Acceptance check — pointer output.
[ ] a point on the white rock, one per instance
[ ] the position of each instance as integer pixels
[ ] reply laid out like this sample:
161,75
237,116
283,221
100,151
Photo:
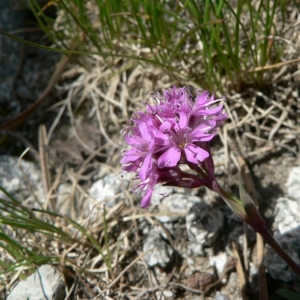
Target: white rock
105,189
166,294
45,283
19,181
220,296
287,228
203,224
253,271
160,252
104,192
64,198
278,269
101,192
194,249
293,184
219,262
160,192
287,215
178,204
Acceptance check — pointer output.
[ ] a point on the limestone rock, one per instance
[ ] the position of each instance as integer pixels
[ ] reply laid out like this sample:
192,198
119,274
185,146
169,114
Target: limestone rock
45,283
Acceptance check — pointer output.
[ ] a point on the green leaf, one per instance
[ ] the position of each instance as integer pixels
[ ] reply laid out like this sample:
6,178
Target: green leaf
231,200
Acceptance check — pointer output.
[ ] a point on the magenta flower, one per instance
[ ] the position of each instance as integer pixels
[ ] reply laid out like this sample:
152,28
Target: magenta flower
174,131
177,131
183,139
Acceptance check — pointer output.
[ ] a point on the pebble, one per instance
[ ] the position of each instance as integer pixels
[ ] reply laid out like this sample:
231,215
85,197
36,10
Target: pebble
22,179
45,283
178,204
287,229
293,184
219,262
220,296
277,268
203,224
287,215
160,252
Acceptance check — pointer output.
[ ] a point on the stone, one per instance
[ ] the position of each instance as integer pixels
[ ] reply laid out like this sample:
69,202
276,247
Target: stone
160,193
64,199
10,51
164,295
235,228
21,181
277,268
178,204
287,232
220,296
199,280
203,224
160,251
219,262
287,215
104,192
25,72
293,184
45,283
107,188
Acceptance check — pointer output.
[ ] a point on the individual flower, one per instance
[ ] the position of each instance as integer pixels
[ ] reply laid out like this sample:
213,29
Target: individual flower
174,131
144,138
183,139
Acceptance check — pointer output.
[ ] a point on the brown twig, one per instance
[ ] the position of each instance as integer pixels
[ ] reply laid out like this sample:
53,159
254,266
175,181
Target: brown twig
257,69
44,163
240,271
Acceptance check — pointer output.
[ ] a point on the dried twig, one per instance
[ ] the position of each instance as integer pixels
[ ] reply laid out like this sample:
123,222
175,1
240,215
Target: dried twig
240,271
44,161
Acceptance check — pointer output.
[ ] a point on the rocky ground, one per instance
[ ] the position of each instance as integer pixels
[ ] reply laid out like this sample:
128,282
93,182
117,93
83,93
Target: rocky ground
188,244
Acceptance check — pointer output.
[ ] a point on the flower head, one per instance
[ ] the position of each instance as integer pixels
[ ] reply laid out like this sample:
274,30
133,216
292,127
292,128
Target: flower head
174,131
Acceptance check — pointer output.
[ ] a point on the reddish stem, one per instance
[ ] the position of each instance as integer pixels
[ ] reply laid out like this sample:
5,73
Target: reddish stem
253,218
269,239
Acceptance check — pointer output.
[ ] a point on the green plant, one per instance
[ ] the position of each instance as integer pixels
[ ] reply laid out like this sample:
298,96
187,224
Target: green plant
27,236
212,43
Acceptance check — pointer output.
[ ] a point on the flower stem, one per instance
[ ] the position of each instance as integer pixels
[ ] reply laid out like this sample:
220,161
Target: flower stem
253,218
269,239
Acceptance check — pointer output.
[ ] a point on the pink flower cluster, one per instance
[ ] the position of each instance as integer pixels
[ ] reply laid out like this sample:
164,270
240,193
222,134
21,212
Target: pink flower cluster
175,131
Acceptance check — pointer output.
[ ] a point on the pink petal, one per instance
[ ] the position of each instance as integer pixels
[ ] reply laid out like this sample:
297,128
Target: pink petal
131,168
204,127
201,99
195,154
201,111
212,111
165,126
170,158
160,138
205,138
145,202
199,133
133,140
183,119
130,156
146,166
